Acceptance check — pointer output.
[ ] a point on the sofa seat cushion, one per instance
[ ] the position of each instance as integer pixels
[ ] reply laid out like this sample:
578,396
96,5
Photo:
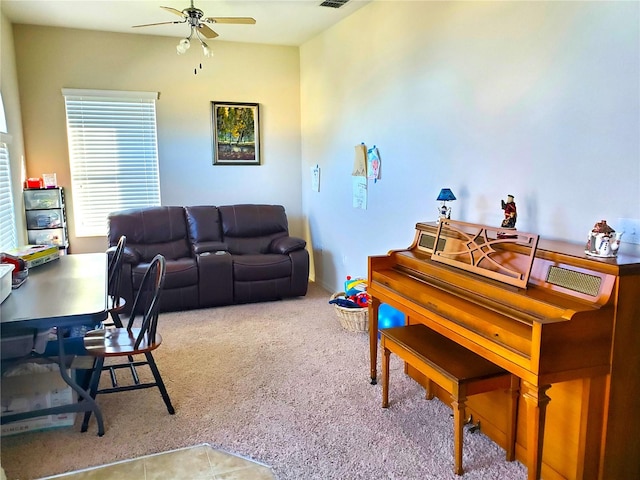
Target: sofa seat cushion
182,272
249,268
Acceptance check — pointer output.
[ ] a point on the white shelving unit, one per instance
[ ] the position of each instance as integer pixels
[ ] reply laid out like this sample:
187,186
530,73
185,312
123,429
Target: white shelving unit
46,217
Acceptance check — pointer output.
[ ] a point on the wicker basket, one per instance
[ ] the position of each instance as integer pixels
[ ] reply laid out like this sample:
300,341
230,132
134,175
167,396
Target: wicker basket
352,319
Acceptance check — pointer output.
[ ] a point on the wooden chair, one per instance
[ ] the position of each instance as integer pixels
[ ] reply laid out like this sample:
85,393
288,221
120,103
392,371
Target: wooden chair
140,337
116,302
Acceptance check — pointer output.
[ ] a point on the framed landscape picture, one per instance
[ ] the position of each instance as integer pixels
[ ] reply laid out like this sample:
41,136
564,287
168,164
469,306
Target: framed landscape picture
236,133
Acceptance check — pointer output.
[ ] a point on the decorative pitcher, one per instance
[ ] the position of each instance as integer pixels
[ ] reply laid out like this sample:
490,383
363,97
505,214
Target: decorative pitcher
603,241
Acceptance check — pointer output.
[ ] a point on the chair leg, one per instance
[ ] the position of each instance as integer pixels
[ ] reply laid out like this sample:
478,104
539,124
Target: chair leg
159,382
93,389
134,372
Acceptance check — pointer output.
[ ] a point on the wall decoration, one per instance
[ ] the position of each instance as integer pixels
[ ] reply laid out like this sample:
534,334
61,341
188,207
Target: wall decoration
360,161
359,188
315,178
236,133
373,164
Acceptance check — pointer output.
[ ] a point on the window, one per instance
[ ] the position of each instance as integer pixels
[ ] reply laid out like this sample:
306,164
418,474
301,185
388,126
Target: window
7,217
8,237
113,154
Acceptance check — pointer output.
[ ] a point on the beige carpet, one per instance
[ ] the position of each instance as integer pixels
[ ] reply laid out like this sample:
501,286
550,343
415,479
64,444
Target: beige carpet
281,383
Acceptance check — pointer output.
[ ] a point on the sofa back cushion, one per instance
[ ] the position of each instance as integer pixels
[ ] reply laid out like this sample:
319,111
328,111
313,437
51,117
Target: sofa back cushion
151,230
250,229
203,223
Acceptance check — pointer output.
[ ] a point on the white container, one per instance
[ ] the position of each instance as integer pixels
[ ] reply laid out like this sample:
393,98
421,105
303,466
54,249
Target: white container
5,280
34,387
50,180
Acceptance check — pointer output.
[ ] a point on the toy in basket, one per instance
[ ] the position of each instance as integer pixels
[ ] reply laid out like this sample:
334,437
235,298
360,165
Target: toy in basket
353,314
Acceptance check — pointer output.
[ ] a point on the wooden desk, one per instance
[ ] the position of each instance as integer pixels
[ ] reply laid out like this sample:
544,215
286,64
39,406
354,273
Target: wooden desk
66,292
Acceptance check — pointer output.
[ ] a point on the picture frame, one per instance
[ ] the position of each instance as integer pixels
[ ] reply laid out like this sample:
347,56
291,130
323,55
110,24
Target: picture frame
236,133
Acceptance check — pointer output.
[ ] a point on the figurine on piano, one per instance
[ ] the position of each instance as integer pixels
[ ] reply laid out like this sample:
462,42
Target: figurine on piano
510,214
444,212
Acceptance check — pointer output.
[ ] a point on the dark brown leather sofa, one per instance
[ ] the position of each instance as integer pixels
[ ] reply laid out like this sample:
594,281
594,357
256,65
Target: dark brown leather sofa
215,255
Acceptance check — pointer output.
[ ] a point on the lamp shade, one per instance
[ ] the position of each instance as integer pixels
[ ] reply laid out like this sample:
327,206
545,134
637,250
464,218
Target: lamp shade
446,195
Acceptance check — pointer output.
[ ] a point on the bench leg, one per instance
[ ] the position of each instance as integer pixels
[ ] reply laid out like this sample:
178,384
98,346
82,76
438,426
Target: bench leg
385,377
458,401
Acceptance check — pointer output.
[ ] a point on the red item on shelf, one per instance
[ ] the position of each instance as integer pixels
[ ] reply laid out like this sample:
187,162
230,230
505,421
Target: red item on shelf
34,183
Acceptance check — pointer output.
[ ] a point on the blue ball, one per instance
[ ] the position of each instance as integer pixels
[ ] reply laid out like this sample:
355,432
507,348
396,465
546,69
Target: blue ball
389,317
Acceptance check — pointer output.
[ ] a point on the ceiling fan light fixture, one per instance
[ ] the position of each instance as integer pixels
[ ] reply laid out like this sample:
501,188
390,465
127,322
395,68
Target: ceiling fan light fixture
195,19
183,46
206,50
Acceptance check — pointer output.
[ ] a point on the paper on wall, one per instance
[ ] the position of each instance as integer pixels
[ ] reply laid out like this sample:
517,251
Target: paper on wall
315,178
360,161
359,192
373,163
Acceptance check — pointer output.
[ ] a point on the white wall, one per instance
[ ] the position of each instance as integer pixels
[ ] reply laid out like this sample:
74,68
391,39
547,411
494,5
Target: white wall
10,98
50,59
535,99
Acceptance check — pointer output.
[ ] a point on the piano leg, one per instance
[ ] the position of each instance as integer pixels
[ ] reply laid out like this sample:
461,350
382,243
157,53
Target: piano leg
536,400
458,400
429,390
374,305
514,394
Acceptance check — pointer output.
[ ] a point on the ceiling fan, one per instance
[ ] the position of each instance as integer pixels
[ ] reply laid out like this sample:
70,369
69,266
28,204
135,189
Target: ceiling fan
199,24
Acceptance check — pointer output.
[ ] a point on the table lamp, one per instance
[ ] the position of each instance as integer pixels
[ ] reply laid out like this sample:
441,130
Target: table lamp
445,195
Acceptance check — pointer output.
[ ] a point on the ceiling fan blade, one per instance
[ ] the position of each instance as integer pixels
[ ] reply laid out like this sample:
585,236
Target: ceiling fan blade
173,10
237,20
152,24
206,31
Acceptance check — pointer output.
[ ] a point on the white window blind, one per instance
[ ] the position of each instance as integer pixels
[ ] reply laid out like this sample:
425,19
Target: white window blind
113,154
8,239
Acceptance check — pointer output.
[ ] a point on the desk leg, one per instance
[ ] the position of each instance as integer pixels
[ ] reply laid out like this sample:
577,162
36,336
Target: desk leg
87,403
374,305
536,400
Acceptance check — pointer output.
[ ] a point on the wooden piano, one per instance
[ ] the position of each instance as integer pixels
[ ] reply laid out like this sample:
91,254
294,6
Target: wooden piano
567,324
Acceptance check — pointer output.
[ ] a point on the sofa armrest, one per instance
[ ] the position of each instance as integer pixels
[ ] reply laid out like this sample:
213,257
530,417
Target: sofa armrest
131,255
203,247
286,245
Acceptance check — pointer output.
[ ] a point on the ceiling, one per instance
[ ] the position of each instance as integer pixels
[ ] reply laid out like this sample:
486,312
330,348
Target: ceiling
278,22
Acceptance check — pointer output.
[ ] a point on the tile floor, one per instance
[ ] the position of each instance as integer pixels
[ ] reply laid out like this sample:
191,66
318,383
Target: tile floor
201,462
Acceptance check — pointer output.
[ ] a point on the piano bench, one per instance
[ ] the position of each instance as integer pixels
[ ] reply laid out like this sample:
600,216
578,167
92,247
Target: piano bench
457,370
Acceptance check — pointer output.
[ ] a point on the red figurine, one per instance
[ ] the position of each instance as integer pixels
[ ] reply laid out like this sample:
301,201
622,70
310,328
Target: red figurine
510,214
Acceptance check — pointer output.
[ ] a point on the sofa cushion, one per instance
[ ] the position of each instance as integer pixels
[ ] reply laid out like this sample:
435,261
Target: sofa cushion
204,229
248,268
250,229
151,230
179,273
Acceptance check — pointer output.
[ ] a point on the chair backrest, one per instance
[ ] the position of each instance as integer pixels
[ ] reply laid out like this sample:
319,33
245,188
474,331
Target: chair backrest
115,272
146,305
